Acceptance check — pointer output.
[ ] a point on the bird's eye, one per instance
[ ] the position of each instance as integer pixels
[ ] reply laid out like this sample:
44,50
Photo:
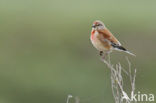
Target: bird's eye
99,24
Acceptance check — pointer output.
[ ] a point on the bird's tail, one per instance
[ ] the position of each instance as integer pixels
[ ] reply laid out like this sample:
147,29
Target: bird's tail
120,48
130,53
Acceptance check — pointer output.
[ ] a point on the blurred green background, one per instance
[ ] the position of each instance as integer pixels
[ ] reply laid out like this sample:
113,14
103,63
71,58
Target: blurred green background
46,53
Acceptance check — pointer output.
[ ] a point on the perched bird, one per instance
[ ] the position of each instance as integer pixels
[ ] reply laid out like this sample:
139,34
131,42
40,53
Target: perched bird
104,41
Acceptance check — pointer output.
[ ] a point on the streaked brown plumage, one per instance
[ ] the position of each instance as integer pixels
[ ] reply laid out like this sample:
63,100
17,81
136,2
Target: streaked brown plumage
103,40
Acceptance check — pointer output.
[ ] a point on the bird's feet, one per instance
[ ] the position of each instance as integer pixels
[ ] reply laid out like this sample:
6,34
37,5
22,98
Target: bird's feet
101,53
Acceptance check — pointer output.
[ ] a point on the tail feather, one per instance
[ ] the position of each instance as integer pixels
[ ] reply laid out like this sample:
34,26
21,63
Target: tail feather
120,48
130,53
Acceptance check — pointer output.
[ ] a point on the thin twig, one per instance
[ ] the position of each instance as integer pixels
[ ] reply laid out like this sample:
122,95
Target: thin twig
68,98
117,82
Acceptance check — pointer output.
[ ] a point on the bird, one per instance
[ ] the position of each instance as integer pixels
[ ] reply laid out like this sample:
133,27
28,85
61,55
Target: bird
104,41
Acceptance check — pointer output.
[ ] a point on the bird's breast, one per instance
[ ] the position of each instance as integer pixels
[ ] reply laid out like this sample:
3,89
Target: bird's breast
97,43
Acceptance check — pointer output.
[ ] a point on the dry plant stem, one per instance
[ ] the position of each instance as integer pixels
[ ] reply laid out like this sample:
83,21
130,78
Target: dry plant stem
68,98
117,82
77,99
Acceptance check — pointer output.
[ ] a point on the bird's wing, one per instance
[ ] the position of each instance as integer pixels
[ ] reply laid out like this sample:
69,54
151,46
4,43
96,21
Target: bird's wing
109,36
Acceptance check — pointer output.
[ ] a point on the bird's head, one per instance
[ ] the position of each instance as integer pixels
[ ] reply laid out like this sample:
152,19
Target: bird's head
98,25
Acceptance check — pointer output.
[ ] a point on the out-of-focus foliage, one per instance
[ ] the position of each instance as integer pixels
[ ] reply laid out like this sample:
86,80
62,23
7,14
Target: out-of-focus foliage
46,54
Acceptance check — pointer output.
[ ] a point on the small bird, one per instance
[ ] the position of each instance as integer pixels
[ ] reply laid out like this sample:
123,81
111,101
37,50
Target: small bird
104,41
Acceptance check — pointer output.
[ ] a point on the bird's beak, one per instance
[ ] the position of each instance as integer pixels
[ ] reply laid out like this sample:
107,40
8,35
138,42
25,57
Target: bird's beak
93,26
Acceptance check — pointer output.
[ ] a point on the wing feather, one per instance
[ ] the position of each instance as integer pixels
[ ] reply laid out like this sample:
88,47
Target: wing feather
109,36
